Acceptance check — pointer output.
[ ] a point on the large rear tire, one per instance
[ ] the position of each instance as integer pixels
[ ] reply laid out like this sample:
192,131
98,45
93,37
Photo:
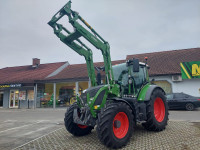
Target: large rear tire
157,112
115,125
73,128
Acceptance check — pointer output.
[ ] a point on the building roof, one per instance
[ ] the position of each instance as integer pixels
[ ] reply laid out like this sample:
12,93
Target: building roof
27,74
161,63
78,71
168,62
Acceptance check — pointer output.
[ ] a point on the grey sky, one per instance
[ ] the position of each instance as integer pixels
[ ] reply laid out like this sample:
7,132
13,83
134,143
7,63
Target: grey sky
130,26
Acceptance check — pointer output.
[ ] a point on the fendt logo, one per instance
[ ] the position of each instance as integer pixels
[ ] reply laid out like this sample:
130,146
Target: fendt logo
195,70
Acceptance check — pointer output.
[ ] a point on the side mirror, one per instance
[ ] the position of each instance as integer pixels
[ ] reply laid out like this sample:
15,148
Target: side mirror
99,78
136,65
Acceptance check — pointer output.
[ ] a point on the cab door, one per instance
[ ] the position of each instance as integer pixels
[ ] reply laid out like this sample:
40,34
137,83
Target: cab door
139,79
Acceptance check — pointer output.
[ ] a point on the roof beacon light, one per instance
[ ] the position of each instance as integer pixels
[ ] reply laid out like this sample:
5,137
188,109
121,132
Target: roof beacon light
146,58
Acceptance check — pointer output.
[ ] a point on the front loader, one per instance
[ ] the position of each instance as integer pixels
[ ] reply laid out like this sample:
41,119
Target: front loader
126,98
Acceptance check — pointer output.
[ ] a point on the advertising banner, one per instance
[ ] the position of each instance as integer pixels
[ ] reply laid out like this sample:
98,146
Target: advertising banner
22,95
190,70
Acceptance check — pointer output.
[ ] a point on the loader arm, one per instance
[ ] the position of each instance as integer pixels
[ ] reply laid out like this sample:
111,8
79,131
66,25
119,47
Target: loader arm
72,40
80,48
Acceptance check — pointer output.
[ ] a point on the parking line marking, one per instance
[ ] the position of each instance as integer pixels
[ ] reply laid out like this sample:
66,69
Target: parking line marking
21,126
10,121
36,139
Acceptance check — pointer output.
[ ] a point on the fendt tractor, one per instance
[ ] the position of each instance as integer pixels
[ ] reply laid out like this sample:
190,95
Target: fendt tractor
126,99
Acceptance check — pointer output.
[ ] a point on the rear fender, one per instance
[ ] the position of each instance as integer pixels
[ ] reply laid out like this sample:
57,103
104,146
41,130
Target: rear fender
150,91
146,92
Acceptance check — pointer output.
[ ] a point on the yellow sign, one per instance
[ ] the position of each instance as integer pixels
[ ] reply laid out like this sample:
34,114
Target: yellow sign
4,86
190,70
10,85
195,70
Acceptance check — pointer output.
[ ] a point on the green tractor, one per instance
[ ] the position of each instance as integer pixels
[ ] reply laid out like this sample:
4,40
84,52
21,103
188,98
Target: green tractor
126,98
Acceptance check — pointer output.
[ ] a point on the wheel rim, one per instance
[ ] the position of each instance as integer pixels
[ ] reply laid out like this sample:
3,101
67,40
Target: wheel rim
82,126
159,109
189,106
121,130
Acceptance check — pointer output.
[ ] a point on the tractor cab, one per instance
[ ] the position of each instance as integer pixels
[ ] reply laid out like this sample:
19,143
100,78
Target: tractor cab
131,76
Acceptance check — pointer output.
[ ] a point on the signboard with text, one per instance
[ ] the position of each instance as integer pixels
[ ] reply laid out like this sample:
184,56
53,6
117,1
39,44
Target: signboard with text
10,85
190,70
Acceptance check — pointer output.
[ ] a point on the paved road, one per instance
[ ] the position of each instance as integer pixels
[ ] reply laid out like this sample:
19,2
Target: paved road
19,126
190,116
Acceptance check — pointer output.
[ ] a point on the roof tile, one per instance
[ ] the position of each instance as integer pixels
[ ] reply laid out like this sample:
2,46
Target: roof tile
167,62
27,74
78,71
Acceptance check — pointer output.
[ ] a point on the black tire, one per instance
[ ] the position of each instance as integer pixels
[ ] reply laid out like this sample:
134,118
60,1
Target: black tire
73,128
189,106
106,129
156,122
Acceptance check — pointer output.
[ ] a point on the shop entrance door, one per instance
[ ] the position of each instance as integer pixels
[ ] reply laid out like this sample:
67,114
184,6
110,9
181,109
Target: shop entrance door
14,98
1,99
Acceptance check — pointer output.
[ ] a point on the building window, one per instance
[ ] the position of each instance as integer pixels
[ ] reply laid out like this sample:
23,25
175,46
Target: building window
65,94
30,95
45,95
167,87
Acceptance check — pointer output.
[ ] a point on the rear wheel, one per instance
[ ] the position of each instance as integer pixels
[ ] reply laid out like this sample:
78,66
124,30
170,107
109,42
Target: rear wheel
115,125
189,106
73,128
157,112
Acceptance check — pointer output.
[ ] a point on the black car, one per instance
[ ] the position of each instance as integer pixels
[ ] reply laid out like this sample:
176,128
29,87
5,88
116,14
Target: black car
182,101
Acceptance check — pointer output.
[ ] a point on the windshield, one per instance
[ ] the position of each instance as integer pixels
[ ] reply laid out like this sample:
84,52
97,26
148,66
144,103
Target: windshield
139,77
117,70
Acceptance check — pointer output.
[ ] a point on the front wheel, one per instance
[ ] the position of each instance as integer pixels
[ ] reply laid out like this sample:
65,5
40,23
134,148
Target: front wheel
157,112
73,128
115,125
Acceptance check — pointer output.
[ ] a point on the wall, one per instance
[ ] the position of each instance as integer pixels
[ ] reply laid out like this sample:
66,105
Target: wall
191,87
188,86
25,103
6,98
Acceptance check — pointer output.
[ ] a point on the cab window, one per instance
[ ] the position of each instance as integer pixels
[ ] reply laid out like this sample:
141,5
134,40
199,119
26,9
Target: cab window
139,77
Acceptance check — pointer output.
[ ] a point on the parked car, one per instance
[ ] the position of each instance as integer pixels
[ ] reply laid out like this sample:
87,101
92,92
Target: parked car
182,101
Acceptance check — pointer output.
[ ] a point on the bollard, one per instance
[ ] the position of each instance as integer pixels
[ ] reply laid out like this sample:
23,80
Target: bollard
28,103
19,104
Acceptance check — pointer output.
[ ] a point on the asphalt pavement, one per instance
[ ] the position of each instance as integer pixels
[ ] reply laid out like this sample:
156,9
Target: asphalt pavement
182,115
19,126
